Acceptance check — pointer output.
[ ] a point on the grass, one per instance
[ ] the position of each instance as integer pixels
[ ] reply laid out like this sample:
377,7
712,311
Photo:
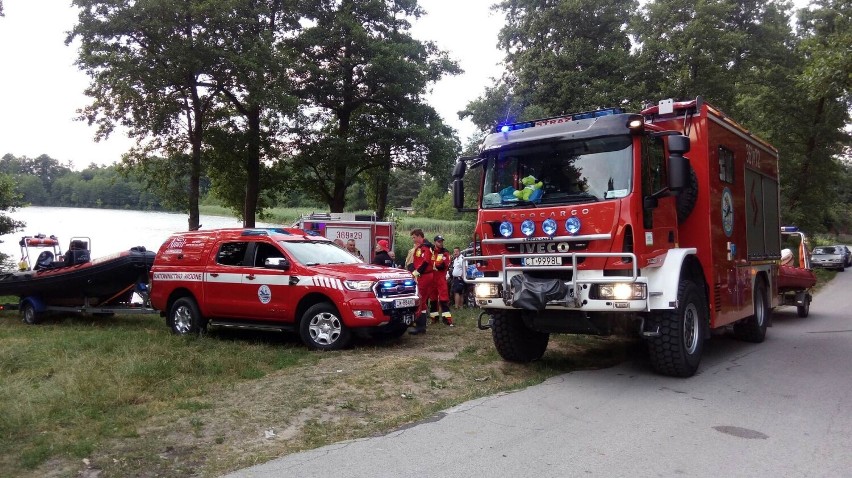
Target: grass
133,400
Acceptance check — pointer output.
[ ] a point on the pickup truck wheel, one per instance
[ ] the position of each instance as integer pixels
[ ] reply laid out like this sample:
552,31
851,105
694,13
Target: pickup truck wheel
753,329
29,314
516,342
185,318
677,350
323,329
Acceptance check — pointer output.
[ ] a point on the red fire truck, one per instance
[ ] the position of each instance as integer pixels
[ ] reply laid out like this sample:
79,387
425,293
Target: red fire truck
669,217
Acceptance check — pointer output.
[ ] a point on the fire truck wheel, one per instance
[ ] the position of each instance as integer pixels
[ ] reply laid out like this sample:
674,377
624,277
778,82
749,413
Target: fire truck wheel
185,319
753,329
29,314
677,350
516,342
685,201
322,328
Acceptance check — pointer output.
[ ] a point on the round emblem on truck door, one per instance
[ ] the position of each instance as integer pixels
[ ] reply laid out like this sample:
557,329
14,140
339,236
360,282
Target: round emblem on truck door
264,294
727,212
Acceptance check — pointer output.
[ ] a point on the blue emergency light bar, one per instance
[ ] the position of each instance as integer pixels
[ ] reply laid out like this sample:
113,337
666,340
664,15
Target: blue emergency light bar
789,229
558,119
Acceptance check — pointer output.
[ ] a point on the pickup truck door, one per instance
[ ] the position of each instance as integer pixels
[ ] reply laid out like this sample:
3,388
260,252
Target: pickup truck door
223,280
265,293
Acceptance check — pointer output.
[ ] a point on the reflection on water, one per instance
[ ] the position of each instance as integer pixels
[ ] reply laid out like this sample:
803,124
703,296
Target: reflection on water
110,230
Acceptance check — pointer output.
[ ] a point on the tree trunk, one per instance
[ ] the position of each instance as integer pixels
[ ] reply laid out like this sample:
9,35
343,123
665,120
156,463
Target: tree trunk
196,131
383,182
807,158
252,168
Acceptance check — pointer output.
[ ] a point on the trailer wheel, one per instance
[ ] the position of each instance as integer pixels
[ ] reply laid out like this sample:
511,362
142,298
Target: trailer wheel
516,342
677,350
804,310
685,201
322,328
753,329
185,318
29,314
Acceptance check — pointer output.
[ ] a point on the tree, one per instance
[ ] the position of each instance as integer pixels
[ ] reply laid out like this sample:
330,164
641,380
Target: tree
561,56
361,76
824,89
254,42
149,64
9,200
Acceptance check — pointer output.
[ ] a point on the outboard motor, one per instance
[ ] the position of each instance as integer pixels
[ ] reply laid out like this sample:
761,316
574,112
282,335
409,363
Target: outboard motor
78,253
44,260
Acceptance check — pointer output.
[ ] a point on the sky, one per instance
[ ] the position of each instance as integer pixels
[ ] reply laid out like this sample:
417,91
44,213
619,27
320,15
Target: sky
41,89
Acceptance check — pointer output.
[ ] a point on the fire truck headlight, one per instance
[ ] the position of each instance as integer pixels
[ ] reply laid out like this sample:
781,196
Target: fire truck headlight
528,228
506,229
483,291
549,227
572,224
359,285
619,291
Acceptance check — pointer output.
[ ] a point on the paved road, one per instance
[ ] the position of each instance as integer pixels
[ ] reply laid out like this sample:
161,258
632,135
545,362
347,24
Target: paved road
782,408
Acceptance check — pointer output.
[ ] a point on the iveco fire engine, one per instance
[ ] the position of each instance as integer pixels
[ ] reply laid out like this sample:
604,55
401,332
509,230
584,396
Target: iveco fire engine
669,217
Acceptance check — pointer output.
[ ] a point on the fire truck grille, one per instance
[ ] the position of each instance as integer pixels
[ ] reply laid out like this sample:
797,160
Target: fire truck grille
395,288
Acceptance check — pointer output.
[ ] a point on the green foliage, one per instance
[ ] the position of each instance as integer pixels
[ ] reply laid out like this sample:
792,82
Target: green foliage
96,186
791,88
361,78
566,56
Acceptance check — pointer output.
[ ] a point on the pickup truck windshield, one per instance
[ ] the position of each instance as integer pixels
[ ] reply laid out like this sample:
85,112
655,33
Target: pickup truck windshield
560,172
315,253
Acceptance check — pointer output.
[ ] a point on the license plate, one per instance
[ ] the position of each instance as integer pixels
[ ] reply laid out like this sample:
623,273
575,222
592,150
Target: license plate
408,319
402,303
542,261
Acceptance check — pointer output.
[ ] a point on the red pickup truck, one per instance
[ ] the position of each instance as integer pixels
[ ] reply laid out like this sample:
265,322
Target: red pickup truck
278,279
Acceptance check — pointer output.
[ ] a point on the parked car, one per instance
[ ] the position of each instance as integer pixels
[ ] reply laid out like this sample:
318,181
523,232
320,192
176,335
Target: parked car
828,257
847,254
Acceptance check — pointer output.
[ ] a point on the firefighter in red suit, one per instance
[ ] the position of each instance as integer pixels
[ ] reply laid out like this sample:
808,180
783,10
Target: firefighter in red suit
423,272
440,307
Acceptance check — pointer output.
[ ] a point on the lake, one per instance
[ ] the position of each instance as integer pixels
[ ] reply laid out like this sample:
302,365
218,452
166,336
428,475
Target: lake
108,230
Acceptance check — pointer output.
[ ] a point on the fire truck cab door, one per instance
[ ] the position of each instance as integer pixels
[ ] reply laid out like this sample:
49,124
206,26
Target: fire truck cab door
660,222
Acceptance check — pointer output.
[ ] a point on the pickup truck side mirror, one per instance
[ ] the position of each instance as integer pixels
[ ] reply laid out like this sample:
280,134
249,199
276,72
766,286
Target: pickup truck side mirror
279,263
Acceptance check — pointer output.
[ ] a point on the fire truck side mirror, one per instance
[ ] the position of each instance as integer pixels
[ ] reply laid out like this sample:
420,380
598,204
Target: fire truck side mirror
459,169
678,165
458,193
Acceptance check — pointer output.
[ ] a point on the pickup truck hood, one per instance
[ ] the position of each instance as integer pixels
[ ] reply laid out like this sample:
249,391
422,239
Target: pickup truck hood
361,272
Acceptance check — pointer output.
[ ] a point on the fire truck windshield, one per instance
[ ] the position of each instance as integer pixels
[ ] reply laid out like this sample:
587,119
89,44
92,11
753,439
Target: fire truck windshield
560,172
317,253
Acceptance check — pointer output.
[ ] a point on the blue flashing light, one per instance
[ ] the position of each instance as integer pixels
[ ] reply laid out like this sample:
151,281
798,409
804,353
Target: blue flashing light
410,283
505,128
572,224
549,226
387,284
528,228
789,229
506,229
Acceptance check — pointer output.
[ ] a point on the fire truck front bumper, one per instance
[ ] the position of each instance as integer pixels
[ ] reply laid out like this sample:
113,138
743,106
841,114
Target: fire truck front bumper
629,295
